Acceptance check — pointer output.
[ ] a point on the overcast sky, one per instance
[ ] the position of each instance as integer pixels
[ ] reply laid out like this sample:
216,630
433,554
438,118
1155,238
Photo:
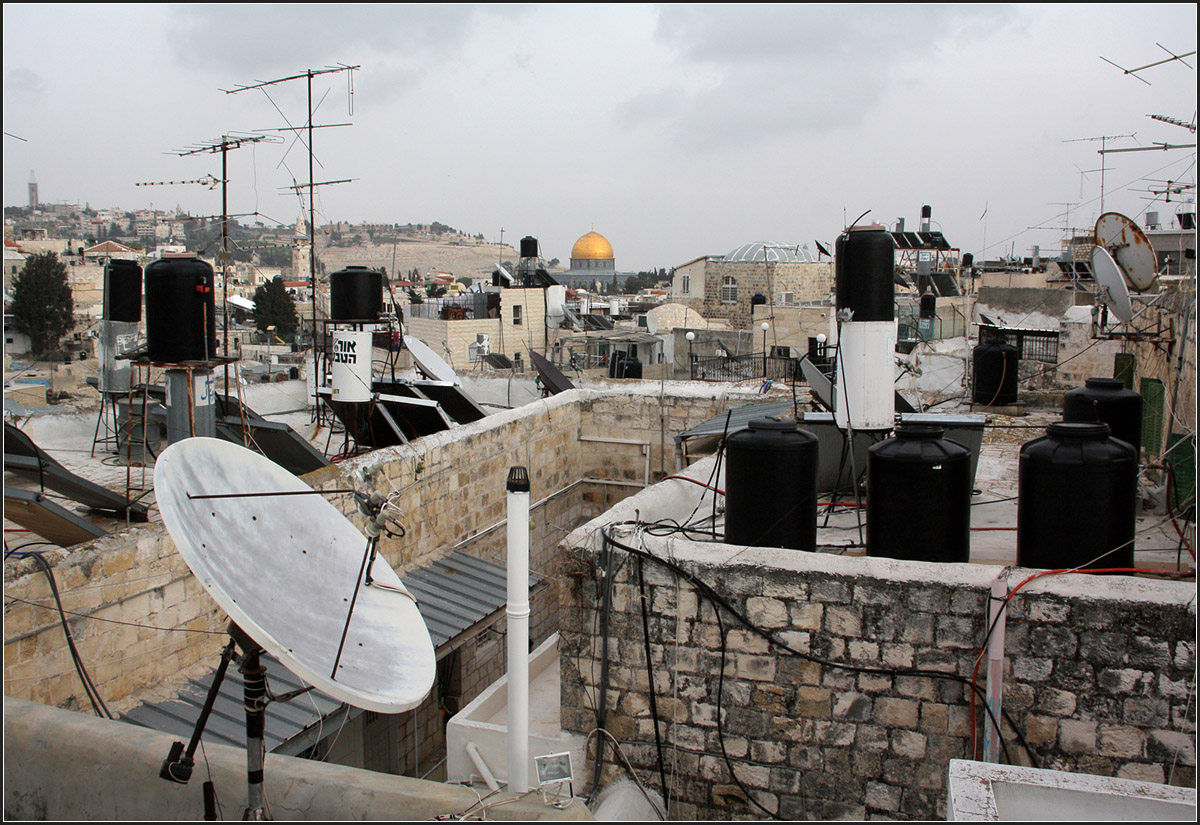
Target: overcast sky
674,131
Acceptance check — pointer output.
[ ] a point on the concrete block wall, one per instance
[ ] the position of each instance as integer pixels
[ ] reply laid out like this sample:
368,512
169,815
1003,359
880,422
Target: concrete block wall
1099,677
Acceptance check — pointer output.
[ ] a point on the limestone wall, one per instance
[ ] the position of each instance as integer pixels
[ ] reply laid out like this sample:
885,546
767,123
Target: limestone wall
860,718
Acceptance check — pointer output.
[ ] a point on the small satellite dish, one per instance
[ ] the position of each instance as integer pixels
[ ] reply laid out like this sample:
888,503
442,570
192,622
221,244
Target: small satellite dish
1129,246
285,565
1111,283
429,362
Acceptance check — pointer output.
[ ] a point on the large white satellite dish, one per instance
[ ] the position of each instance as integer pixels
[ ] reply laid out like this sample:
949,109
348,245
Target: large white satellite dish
1111,284
429,362
1129,247
287,567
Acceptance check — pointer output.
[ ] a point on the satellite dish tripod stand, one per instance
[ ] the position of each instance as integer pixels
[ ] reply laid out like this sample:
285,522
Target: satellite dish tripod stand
178,765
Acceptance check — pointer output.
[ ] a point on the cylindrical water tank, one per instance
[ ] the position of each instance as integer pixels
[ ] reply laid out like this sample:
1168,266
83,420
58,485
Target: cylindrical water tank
614,365
529,247
865,263
928,305
355,294
351,368
771,486
181,318
919,497
1107,400
123,291
995,368
1077,499
630,368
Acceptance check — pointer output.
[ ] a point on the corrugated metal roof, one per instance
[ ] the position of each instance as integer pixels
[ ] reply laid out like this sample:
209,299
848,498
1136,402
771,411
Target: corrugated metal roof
453,594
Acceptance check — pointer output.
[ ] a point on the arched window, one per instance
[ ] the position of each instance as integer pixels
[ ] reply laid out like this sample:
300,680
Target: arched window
729,290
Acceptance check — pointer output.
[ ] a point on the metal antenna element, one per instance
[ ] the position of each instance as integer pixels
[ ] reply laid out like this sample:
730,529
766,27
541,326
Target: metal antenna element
1171,59
308,75
208,180
1191,127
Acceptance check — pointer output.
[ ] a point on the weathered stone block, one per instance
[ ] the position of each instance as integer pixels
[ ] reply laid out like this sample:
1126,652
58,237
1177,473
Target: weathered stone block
1077,736
902,713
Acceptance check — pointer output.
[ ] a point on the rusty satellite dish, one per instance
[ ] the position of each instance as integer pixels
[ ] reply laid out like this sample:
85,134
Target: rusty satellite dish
1130,248
288,568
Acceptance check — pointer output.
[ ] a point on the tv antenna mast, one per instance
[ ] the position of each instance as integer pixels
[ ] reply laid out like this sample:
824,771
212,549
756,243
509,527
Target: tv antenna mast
308,76
1104,139
212,147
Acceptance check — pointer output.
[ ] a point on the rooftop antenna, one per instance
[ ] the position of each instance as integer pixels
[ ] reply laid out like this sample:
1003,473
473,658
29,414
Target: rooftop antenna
212,147
1171,59
1104,139
308,75
1191,127
309,591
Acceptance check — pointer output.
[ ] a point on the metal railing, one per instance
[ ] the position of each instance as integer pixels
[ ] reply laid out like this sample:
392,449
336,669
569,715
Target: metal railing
1032,344
746,368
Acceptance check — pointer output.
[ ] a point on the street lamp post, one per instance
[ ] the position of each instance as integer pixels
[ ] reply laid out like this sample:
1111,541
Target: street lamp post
691,336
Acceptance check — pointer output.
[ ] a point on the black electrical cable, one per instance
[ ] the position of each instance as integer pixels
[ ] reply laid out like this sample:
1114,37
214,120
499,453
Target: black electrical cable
720,601
662,768
89,687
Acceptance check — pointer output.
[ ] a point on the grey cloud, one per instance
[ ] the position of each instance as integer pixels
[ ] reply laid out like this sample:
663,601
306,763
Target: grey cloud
792,69
258,40
23,82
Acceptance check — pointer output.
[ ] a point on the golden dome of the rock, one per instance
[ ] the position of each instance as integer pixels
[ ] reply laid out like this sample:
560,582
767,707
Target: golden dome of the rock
592,247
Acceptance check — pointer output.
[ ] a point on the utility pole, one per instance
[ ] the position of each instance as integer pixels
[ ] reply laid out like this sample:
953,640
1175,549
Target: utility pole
308,75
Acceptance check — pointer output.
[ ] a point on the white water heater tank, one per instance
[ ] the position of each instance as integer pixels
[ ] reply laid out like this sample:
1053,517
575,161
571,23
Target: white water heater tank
351,370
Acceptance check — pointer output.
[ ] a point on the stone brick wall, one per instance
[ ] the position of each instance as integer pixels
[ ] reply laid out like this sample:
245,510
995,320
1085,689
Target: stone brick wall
1099,676
115,591
807,281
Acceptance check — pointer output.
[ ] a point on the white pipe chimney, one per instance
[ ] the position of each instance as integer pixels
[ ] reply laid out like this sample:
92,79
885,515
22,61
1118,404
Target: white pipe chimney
518,630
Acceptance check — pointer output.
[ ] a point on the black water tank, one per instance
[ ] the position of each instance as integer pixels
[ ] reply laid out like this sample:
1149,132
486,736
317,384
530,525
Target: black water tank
355,294
919,497
771,486
865,264
928,305
1077,499
181,318
995,367
529,247
629,368
123,291
1107,400
614,364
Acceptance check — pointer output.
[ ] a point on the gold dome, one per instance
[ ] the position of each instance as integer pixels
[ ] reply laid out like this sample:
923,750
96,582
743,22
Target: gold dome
592,247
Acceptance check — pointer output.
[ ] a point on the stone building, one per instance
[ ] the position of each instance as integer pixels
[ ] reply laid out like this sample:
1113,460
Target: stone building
729,287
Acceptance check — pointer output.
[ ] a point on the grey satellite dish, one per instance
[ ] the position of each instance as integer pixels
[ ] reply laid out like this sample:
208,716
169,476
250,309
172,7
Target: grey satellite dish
288,568
1129,247
1111,282
429,362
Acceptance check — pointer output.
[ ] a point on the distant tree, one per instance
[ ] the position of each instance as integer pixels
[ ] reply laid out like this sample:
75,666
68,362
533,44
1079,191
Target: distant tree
274,307
42,307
